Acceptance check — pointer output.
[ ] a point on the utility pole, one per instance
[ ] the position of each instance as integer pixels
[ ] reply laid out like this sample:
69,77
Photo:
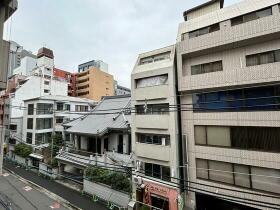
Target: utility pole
2,136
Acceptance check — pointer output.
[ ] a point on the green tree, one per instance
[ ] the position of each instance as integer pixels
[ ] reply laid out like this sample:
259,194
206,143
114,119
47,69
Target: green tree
23,150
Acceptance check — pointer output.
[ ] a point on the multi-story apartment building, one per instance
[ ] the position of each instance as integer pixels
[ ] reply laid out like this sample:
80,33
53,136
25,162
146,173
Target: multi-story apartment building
94,84
121,90
45,115
99,64
229,82
154,129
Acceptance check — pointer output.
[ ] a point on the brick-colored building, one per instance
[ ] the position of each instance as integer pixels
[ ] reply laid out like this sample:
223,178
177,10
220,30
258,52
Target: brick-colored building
69,77
94,84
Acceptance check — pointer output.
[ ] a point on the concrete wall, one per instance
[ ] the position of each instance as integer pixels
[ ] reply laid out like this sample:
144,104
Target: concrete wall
235,72
156,123
204,10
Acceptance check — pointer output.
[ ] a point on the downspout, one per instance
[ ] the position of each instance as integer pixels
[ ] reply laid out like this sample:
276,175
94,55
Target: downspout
181,145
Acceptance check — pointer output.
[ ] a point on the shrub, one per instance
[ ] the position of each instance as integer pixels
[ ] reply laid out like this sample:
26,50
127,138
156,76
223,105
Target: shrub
117,180
23,150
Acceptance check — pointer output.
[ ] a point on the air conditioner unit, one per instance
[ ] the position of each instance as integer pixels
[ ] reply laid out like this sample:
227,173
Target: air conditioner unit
137,180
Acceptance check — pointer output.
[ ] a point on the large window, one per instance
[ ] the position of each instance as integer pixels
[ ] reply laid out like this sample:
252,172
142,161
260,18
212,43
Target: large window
29,123
157,171
155,58
207,68
262,98
30,109
59,106
44,123
42,138
251,16
202,31
43,108
29,138
249,138
263,58
81,108
152,81
153,139
152,109
264,179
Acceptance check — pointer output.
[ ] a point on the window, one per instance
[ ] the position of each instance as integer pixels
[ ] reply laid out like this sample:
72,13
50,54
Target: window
29,138
42,138
249,138
261,98
46,91
220,171
13,127
46,82
29,123
154,58
263,58
251,16
59,106
157,171
202,31
59,120
81,108
207,68
152,109
43,108
152,81
67,107
30,109
264,179
44,123
153,139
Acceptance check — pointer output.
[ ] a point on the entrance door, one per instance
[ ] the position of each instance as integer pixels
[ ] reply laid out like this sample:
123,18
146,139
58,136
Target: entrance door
106,144
92,144
98,145
120,145
159,202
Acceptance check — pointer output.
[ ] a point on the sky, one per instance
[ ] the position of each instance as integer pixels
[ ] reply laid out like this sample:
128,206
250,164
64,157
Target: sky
114,31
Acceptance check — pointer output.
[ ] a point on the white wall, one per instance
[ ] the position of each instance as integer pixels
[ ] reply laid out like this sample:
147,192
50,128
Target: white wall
34,88
26,67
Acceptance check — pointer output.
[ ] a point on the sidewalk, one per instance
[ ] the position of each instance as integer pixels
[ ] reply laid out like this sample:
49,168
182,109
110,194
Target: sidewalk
68,194
18,195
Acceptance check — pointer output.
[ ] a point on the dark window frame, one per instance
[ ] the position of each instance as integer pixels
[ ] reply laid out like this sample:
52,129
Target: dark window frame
153,141
202,31
160,175
257,56
202,68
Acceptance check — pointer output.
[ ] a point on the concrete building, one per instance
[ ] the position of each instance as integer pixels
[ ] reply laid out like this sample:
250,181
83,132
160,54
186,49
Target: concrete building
228,70
16,56
121,90
154,129
94,84
99,64
69,77
7,8
27,64
44,116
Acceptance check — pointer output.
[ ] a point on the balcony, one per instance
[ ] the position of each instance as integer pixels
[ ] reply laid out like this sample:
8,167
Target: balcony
152,121
256,31
156,152
154,92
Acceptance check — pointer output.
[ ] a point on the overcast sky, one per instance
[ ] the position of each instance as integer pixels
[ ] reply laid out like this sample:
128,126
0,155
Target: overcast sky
115,31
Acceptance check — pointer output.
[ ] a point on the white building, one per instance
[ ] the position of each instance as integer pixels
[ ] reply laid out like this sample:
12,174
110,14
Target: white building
26,67
228,68
45,115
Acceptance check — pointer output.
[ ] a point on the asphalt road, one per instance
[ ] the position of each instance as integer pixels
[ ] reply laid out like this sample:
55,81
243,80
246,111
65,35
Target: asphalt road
68,194
17,195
